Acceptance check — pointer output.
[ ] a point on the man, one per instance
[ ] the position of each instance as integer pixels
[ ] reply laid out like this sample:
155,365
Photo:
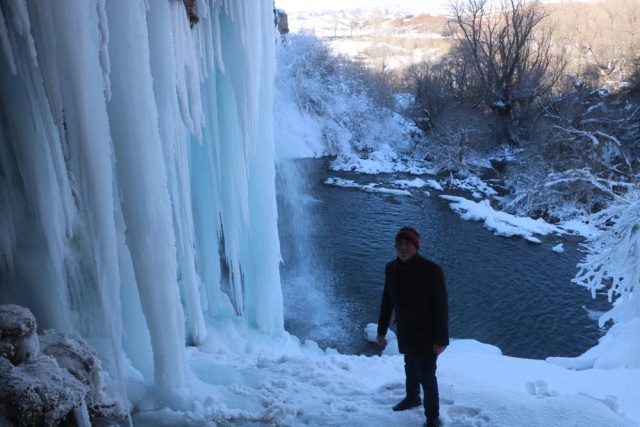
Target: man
415,288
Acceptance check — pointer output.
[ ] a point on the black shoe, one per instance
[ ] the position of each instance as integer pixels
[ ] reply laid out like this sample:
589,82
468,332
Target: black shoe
407,403
436,422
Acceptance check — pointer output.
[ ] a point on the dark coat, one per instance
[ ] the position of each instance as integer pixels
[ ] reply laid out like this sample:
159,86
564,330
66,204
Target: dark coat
417,291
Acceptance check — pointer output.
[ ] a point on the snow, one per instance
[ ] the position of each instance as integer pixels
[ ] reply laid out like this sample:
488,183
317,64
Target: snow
383,160
285,383
403,186
619,349
371,187
473,184
503,224
119,184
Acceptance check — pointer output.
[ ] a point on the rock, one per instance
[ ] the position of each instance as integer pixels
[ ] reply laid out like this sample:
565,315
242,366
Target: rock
75,355
72,353
7,350
18,329
49,379
39,393
190,7
281,21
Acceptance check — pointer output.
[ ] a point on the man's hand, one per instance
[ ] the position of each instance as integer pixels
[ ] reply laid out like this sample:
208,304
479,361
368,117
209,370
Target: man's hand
382,341
438,349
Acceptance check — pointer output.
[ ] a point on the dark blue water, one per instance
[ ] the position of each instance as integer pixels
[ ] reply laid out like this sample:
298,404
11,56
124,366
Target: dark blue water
503,291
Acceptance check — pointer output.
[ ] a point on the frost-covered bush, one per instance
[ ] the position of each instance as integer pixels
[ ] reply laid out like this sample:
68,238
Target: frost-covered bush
594,129
556,196
613,259
579,157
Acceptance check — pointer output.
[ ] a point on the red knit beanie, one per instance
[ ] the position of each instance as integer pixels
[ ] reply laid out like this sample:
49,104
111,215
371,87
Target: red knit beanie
409,234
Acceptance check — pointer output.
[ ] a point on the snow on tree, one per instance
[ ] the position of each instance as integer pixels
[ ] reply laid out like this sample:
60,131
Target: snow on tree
613,259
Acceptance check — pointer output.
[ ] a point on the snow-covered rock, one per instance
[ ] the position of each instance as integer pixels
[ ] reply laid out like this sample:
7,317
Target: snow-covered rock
76,356
18,338
48,379
39,393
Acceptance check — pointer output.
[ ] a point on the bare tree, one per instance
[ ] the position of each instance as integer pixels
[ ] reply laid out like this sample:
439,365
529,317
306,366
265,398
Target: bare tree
512,61
604,38
335,17
435,88
377,18
355,21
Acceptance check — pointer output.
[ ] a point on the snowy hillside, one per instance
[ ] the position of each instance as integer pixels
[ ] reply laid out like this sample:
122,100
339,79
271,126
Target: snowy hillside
382,34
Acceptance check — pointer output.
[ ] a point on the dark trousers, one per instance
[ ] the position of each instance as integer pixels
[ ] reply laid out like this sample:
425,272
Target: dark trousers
421,370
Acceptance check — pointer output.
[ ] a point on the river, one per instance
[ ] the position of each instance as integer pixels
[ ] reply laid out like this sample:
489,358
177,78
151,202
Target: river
503,291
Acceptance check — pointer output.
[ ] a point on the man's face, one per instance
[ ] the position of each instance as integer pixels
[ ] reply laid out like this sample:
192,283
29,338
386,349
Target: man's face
405,249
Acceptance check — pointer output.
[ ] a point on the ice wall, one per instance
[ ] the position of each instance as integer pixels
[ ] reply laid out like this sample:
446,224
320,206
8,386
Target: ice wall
137,177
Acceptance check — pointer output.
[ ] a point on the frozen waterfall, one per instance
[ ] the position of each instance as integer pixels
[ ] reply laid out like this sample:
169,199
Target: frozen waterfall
137,176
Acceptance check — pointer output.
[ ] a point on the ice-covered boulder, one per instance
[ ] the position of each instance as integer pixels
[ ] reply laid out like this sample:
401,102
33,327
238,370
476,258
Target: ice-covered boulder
76,356
281,21
39,393
7,350
18,337
50,378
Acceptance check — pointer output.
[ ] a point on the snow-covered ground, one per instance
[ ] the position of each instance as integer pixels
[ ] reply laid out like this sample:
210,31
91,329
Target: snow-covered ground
282,382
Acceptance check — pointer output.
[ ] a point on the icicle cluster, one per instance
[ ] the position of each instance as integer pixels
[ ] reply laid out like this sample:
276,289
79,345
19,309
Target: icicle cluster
137,179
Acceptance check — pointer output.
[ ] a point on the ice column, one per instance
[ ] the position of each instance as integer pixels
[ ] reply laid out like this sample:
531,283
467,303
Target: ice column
142,177
236,163
137,173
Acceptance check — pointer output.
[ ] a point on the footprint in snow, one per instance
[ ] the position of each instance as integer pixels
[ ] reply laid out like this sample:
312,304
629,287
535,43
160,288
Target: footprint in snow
539,389
465,416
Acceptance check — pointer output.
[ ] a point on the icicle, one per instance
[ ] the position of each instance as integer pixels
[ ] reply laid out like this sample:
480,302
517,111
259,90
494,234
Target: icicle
218,37
175,138
23,27
264,251
143,185
7,195
42,176
6,45
187,72
104,48
45,35
129,158
81,415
